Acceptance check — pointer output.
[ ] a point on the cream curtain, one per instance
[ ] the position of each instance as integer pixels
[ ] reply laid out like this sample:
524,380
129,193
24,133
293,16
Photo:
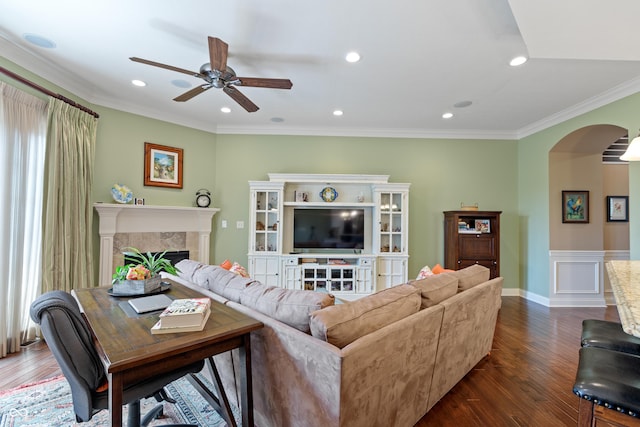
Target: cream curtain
23,121
67,244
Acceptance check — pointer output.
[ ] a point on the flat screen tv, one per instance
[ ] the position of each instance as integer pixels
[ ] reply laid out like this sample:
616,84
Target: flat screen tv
325,229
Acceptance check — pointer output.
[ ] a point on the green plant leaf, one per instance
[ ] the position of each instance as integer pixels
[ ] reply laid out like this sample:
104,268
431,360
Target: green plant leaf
154,263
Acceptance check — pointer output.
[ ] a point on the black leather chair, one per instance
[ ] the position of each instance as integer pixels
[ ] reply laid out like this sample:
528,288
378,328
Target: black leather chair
609,335
607,379
68,336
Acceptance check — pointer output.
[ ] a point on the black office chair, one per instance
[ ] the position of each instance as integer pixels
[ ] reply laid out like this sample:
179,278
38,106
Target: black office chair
68,336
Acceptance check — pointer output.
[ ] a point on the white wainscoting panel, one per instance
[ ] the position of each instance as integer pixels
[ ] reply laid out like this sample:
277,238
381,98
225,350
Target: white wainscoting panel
577,279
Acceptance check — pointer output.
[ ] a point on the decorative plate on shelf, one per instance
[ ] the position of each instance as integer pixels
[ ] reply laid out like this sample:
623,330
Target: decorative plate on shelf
121,193
328,194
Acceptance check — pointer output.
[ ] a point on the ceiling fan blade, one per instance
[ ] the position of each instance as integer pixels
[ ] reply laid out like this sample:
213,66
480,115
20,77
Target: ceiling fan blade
218,51
240,99
165,66
268,83
191,93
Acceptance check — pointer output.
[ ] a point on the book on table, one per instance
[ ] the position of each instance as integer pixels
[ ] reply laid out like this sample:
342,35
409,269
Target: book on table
159,329
186,312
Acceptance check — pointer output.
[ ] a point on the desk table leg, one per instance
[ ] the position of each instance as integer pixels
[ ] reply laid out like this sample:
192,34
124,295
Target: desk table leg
246,388
218,401
115,400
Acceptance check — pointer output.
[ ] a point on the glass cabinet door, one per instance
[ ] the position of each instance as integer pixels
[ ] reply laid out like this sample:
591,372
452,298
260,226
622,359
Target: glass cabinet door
315,278
267,221
391,222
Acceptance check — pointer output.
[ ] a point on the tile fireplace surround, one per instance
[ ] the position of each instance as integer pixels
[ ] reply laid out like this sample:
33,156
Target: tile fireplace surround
151,228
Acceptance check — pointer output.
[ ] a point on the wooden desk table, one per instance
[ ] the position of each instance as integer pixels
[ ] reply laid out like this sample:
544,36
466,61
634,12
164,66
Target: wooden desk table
625,283
129,351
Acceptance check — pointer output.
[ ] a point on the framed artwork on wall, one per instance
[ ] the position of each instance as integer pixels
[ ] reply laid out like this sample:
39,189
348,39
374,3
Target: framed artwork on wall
575,206
618,208
162,166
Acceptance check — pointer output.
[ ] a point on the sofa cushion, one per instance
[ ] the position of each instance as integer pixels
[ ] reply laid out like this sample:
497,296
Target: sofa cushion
223,282
289,306
345,323
187,267
471,276
436,288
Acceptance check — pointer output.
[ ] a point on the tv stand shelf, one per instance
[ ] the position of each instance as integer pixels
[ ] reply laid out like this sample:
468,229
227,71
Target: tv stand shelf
369,215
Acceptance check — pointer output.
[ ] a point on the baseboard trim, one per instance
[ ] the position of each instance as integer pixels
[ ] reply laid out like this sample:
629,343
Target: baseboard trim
511,292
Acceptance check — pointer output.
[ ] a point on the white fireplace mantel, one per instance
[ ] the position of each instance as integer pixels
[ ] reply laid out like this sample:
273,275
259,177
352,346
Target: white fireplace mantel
120,218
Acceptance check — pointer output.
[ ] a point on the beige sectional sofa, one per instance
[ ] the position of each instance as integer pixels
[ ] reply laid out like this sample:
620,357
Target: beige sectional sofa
383,360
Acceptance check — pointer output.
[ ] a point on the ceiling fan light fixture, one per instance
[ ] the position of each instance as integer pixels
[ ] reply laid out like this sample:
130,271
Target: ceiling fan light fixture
633,151
216,73
518,60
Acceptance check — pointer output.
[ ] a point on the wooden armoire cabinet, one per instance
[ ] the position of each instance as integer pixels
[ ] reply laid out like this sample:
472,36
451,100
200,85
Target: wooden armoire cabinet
472,237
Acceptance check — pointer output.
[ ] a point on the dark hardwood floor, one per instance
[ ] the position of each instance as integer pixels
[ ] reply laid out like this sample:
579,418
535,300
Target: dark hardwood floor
525,381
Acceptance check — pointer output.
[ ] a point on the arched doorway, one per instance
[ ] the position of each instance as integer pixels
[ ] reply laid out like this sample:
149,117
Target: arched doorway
578,251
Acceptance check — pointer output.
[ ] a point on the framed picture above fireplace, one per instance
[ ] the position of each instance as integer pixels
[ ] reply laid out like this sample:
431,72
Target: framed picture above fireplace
162,166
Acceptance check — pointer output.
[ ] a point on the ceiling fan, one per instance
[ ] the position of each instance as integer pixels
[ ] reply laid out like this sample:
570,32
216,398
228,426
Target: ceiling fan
219,75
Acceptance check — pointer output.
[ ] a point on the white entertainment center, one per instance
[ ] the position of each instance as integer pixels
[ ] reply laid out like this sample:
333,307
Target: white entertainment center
339,233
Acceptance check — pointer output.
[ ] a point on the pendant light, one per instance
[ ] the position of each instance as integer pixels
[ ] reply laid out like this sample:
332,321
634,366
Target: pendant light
633,151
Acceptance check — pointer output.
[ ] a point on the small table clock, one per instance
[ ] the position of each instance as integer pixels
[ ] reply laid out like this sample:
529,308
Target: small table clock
203,198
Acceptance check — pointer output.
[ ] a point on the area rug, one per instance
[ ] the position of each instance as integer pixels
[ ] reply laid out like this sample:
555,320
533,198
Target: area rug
48,403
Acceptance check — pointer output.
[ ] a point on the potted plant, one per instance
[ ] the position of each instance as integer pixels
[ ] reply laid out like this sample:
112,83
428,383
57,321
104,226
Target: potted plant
143,274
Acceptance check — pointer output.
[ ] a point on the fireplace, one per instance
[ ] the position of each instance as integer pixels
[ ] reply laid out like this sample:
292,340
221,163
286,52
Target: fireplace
151,229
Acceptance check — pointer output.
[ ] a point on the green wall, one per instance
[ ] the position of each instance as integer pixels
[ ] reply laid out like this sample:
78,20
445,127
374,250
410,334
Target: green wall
120,157
442,173
533,188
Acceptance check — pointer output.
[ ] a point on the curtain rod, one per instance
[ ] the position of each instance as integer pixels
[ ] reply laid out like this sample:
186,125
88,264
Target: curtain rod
48,92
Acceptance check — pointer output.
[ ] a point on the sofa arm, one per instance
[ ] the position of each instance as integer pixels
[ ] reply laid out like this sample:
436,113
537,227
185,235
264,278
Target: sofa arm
295,376
467,334
386,375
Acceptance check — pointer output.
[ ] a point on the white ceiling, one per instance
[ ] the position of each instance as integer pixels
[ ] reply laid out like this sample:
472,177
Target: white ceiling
419,58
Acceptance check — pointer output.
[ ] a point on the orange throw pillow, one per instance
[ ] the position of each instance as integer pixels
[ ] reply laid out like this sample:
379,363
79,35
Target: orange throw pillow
437,269
226,264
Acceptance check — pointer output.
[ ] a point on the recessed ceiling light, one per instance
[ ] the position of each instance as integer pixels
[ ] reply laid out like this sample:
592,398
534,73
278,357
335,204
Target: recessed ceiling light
518,60
337,113
39,41
180,83
225,109
277,119
447,115
139,83
352,57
